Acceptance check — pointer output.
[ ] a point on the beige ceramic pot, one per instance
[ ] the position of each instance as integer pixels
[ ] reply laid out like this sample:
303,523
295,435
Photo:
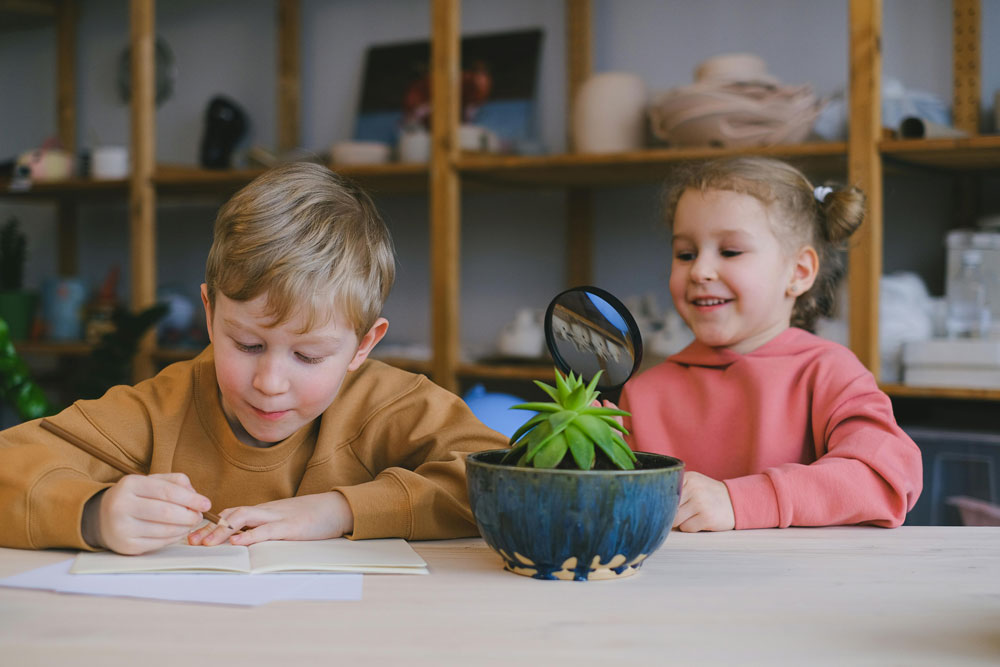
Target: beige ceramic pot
609,114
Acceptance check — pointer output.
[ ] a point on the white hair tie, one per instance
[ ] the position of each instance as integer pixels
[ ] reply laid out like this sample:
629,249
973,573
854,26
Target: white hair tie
821,192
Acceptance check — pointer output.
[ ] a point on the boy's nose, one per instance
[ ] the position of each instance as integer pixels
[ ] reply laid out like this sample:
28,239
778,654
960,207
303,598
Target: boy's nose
269,378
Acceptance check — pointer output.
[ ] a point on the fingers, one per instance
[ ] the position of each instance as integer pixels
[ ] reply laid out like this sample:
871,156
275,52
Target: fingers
141,513
172,488
234,520
277,530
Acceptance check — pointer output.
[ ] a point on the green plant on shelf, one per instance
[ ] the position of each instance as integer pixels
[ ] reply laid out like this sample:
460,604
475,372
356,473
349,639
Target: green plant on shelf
16,385
571,424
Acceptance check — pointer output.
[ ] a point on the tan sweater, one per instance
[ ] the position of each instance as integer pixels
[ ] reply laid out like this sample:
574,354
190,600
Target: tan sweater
392,442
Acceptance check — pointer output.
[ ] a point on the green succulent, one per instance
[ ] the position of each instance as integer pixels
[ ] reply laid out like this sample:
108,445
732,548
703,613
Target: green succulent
570,424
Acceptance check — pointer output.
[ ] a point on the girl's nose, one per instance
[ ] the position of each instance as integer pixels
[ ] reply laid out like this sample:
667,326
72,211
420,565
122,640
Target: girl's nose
269,377
703,268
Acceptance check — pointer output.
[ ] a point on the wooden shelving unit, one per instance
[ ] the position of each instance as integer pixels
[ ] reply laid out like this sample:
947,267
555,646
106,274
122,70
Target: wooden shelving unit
972,153
609,169
861,159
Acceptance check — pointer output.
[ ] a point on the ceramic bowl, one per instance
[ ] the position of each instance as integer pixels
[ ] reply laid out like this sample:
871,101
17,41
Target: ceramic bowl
359,152
572,524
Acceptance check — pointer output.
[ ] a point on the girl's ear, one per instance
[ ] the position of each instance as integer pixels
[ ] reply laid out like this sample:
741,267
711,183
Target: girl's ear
804,272
368,342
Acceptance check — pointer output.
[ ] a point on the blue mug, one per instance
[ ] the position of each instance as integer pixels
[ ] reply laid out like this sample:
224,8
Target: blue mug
63,301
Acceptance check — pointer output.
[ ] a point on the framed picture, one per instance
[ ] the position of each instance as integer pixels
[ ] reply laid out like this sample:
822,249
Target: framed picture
499,76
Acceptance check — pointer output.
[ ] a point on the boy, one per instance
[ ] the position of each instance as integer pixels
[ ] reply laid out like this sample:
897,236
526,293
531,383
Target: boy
281,422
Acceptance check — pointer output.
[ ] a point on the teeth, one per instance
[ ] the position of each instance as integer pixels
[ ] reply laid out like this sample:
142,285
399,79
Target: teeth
709,302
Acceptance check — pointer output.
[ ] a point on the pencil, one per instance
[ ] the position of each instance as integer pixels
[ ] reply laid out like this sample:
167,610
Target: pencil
120,466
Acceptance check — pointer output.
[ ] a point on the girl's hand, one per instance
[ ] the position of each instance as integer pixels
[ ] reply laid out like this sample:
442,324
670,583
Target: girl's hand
609,404
314,517
142,513
705,505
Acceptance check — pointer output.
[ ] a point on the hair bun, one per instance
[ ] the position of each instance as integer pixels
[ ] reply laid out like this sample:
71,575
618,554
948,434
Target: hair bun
843,209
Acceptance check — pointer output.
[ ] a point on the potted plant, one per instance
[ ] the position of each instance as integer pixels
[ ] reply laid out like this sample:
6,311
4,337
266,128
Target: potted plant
569,499
17,387
17,306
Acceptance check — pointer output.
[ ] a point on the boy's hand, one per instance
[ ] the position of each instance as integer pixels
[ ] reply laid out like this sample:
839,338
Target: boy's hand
142,513
318,516
705,505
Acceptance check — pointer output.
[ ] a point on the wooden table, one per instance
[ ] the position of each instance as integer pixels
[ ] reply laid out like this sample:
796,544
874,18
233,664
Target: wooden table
910,596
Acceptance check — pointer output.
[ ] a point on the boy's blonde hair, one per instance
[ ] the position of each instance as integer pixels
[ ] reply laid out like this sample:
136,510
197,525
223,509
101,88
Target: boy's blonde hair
302,234
801,218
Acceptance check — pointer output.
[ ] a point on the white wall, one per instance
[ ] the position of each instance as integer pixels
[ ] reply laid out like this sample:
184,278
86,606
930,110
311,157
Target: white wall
512,243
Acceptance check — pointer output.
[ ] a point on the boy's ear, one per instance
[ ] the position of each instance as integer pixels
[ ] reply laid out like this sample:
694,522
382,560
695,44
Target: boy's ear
368,342
208,310
804,272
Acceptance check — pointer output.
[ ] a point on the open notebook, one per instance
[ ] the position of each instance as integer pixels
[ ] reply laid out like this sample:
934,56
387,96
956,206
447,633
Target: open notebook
385,556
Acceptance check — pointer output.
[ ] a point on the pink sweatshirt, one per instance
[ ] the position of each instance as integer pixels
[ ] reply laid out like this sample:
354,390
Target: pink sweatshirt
797,429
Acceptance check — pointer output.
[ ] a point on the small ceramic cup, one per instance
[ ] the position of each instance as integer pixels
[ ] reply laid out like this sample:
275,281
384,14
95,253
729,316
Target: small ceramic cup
109,162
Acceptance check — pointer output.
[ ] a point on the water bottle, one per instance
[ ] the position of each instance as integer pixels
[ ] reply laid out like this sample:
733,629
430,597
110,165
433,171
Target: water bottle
968,309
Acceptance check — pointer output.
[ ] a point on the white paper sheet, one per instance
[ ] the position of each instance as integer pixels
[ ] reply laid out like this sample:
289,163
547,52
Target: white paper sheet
229,589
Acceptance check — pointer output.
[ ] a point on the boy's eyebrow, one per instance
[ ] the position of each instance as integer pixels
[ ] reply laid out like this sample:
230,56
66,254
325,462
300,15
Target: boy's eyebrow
304,338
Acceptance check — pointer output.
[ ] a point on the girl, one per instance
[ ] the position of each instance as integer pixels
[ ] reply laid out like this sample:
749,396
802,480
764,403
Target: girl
777,426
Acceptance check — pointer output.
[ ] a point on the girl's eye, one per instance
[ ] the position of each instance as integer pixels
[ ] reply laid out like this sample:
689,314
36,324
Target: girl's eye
684,255
309,360
246,348
731,253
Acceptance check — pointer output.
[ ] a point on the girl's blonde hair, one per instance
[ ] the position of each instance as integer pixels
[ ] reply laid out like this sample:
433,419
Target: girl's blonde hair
801,218
307,238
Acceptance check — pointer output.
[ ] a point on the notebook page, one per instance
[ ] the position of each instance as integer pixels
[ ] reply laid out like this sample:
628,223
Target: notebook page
173,558
388,556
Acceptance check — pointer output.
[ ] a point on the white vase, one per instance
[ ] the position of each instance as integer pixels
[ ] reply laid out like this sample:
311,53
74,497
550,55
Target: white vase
609,113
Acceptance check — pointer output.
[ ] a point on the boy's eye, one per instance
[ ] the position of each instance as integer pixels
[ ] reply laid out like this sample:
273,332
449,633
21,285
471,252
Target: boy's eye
309,360
684,255
245,348
731,253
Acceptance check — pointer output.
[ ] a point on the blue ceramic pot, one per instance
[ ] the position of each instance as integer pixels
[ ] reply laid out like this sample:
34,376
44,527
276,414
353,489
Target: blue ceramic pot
573,524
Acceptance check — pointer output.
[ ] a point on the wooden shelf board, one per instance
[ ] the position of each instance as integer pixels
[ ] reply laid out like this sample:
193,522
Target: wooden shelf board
506,372
982,152
649,166
386,178
74,188
903,390
54,348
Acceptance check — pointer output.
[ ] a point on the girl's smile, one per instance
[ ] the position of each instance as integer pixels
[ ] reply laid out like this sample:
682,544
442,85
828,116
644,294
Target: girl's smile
731,280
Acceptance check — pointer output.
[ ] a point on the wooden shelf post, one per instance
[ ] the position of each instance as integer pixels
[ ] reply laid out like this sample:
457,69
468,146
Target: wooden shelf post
966,64
579,201
142,196
66,19
289,86
865,171
445,201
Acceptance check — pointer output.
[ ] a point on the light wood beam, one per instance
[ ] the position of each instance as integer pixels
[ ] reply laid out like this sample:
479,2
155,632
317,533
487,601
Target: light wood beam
865,171
289,74
66,19
142,197
579,201
966,59
445,201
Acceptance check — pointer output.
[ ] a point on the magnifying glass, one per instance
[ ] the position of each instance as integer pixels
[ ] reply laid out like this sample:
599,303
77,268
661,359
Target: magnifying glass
588,330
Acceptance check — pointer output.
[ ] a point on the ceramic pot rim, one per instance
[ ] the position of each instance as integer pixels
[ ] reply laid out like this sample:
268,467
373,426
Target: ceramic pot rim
674,465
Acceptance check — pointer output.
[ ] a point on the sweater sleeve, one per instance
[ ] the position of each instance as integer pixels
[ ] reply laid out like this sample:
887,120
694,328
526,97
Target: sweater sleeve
867,471
45,482
415,448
